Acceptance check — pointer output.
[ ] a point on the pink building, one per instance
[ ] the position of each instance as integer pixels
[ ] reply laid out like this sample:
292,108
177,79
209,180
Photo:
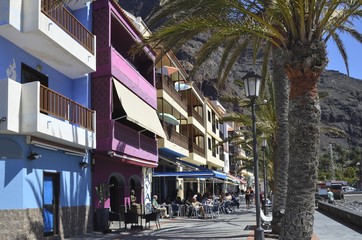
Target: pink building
124,96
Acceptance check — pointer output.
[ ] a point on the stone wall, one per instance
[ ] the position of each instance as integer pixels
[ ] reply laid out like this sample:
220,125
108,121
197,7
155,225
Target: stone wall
21,224
75,221
28,223
342,214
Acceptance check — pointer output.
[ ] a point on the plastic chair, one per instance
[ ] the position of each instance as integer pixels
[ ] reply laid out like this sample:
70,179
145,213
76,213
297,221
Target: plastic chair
195,212
208,210
175,209
215,210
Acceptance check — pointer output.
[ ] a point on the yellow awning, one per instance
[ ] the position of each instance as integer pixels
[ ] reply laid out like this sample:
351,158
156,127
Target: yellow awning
138,111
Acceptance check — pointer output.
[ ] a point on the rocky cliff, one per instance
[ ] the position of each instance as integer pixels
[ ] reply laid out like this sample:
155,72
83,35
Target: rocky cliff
341,96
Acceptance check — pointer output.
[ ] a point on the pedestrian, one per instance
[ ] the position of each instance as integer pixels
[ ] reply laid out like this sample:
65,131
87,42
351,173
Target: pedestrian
247,197
330,196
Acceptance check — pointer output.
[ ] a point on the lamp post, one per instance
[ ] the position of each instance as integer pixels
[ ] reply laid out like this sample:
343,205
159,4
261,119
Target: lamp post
252,87
264,144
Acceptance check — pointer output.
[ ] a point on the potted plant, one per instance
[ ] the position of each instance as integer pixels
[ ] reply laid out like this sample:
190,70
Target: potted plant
102,213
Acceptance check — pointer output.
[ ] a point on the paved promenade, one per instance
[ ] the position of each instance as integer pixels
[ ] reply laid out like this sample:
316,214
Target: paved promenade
228,226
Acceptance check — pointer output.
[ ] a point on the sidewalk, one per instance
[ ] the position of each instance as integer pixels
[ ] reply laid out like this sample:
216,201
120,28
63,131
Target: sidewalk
228,226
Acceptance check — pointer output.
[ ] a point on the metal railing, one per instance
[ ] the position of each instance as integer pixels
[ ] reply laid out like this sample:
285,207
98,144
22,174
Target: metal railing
64,108
68,23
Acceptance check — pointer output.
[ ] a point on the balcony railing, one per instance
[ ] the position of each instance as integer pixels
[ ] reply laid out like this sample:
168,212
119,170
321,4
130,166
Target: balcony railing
168,87
196,149
133,138
192,112
176,137
64,108
68,23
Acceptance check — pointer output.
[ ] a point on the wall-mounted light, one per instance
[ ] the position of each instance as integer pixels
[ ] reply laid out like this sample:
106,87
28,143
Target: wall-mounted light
39,67
34,156
83,164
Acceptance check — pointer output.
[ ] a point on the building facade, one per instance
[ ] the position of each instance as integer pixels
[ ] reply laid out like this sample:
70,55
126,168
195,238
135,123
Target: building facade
124,93
47,126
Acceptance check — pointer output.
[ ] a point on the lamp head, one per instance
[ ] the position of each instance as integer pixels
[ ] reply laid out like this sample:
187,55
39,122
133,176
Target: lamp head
264,142
34,156
83,164
251,84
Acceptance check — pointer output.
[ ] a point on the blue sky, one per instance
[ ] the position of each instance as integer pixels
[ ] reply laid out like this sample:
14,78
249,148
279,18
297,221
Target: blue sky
354,52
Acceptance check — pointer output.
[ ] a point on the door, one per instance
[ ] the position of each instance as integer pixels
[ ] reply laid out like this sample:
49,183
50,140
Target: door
114,194
29,74
51,203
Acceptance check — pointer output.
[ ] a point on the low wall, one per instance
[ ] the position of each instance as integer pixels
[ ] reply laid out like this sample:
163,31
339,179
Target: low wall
342,214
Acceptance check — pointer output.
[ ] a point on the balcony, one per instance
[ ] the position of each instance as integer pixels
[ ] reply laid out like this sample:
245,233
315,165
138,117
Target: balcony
32,109
119,137
126,73
52,103
193,113
168,86
175,141
194,148
64,19
55,37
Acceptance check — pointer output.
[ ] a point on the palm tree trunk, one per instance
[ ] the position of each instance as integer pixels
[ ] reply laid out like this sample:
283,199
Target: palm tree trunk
304,122
281,160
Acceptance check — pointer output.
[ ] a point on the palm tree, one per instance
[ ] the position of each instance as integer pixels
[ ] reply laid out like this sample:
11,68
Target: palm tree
230,33
300,29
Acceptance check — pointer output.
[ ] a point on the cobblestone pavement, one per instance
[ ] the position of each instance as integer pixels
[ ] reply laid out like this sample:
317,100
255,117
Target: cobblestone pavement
228,226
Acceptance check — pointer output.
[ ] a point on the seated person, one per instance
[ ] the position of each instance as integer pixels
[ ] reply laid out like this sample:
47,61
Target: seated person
158,208
198,206
177,200
206,200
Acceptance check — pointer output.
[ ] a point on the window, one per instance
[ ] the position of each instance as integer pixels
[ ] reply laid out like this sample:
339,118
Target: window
209,143
208,116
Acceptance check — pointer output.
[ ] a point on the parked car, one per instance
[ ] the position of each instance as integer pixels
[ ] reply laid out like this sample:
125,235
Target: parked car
348,189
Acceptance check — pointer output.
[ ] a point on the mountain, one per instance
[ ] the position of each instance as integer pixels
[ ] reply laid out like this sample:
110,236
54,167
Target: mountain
341,96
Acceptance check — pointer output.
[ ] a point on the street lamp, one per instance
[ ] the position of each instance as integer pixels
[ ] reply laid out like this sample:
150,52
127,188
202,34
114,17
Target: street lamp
252,87
264,144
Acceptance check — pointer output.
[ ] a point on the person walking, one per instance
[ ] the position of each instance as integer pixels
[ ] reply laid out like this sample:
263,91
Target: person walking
247,197
330,196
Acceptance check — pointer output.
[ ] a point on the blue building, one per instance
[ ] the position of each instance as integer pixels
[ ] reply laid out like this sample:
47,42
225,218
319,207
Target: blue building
47,126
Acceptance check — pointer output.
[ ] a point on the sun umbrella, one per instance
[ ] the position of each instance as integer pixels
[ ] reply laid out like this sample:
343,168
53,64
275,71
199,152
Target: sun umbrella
182,86
167,70
168,118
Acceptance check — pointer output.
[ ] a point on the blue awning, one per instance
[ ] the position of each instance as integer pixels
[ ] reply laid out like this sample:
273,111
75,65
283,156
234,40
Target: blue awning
191,174
200,172
219,175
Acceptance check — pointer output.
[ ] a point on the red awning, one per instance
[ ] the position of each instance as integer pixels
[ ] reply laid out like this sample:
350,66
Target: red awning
242,181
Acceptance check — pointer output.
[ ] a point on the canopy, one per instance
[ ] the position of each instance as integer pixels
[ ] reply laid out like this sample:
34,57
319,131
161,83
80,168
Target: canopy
167,70
236,179
143,115
191,174
182,86
200,173
168,118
